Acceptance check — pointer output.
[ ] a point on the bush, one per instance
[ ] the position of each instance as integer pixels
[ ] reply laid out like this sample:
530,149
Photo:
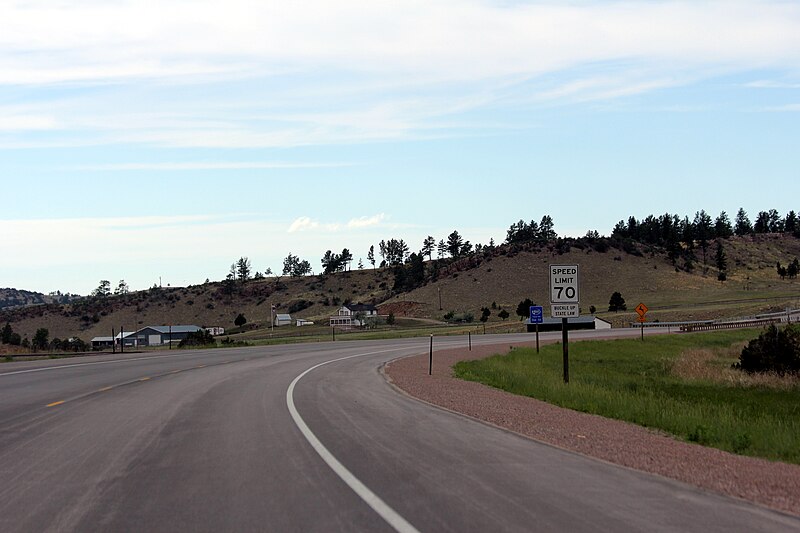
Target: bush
197,338
775,350
299,305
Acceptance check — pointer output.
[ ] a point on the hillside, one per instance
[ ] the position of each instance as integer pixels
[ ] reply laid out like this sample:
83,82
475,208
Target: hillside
504,277
16,298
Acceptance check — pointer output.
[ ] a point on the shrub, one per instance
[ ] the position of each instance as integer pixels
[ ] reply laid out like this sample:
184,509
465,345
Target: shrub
299,305
197,338
775,350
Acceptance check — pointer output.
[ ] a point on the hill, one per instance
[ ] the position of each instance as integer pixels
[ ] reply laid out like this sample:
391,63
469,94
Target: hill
16,298
497,278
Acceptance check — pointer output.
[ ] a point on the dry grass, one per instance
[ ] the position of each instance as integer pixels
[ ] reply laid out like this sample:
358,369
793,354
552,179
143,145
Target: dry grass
714,365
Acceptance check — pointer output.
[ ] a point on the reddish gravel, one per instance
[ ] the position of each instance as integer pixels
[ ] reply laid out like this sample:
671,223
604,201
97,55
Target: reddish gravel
772,484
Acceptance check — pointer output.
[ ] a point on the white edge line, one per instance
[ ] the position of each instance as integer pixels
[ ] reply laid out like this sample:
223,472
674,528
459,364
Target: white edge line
391,516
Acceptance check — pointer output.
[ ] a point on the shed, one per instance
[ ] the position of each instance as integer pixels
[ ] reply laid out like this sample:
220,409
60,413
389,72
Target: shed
283,320
98,343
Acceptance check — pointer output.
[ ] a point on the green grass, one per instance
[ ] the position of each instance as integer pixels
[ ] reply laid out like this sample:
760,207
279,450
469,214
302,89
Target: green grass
631,380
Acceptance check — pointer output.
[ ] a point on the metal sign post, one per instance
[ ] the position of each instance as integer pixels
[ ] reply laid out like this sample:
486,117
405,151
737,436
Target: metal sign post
564,300
537,317
641,310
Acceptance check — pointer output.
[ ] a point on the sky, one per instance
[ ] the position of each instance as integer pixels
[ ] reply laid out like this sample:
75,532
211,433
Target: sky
160,142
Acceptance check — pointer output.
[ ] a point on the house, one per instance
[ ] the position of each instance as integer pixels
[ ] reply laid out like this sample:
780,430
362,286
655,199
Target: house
216,330
583,322
283,320
354,315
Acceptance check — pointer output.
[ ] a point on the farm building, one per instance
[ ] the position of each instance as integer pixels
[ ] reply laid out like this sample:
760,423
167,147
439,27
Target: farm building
154,336
283,320
99,343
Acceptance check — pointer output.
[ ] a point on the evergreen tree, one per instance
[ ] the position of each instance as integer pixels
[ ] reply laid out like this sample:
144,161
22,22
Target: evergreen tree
762,222
722,262
240,320
722,226
617,303
524,308
5,334
427,247
546,231
793,269
103,290
454,244
790,222
441,248
743,225
40,339
122,287
702,229
371,256
782,271
243,269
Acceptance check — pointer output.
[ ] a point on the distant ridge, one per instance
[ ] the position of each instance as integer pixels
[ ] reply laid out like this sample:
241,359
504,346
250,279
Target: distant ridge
17,298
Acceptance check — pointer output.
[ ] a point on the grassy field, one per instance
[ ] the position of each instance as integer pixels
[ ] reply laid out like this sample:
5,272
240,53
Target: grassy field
681,384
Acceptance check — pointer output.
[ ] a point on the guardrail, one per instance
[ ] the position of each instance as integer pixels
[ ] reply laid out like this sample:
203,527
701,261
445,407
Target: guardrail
730,325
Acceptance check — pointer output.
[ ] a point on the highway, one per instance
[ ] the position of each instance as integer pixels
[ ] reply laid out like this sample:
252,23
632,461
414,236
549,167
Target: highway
302,438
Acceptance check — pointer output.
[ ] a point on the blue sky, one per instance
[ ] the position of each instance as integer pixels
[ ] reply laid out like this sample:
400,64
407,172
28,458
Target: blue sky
137,144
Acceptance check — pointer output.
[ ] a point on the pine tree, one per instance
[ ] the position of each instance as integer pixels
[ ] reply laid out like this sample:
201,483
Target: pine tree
617,303
5,334
743,225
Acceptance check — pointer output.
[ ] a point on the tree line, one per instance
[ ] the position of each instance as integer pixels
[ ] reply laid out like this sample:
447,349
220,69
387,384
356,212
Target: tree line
678,236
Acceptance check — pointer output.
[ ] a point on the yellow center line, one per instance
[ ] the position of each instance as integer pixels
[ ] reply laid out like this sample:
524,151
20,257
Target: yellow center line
104,389
201,366
176,371
55,403
144,379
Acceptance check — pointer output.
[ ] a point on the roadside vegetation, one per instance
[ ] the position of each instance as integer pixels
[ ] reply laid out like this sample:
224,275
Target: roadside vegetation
686,385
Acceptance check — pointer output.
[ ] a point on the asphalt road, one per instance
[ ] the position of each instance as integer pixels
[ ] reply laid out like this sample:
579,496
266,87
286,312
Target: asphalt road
264,439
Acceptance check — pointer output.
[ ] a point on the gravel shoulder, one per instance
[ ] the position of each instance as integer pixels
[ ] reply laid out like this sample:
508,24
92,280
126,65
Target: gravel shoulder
772,484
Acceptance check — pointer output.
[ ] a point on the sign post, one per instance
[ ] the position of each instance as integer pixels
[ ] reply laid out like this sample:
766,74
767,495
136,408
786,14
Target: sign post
537,317
564,303
641,310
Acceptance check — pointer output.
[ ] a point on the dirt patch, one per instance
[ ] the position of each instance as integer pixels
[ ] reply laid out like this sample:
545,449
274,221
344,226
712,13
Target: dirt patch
406,309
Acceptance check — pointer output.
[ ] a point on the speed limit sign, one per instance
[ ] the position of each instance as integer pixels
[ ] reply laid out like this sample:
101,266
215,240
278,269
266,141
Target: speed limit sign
564,286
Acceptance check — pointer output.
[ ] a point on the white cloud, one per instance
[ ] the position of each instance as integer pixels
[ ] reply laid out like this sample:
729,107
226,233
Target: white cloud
783,108
366,222
431,40
772,84
209,165
317,72
305,223
11,121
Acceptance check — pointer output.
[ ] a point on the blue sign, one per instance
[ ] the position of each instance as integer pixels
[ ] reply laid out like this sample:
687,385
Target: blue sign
537,314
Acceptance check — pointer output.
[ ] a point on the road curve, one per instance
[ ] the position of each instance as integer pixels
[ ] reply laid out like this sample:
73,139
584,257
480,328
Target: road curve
210,441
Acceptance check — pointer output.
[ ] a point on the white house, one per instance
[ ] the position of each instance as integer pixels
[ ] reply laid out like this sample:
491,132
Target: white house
216,330
353,315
